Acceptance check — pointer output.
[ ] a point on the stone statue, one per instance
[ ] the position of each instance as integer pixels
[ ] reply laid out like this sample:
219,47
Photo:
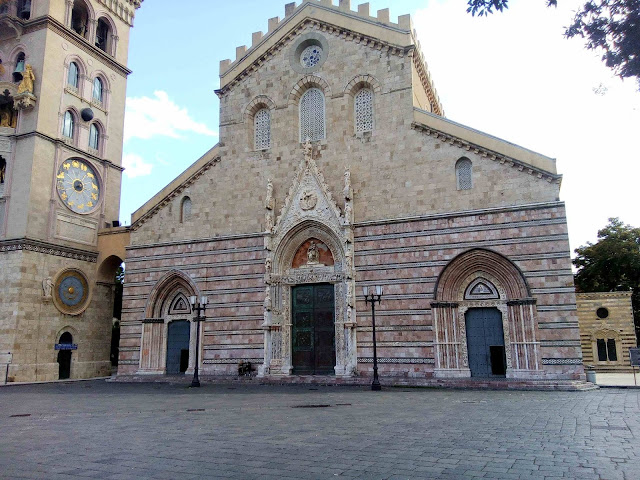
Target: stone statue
267,299
313,256
348,212
5,119
267,265
47,286
308,150
269,202
268,220
26,85
348,192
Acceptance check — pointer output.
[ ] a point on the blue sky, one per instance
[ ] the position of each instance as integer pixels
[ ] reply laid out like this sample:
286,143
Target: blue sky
511,75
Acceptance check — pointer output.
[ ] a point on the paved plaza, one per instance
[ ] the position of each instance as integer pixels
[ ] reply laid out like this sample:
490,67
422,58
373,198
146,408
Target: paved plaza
123,431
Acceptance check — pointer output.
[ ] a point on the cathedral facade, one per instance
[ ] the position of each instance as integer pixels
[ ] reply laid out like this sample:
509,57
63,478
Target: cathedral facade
336,170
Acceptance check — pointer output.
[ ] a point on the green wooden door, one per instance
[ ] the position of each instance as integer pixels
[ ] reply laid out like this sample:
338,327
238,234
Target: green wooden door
313,335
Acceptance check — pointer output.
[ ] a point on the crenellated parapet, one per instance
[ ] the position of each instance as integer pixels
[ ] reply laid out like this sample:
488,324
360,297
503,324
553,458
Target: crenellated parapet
359,26
122,8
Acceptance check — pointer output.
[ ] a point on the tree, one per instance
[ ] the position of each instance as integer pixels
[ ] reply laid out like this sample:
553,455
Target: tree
609,26
612,263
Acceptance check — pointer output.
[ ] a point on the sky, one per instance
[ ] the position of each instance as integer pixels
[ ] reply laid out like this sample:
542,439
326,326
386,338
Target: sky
512,75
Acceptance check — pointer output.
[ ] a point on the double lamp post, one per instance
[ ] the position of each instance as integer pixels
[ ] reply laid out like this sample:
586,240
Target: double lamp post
199,307
372,298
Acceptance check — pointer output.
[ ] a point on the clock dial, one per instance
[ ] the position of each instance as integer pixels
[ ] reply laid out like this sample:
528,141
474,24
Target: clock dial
78,186
71,292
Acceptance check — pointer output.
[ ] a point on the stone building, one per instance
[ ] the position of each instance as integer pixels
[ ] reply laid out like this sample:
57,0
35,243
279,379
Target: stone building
607,331
63,76
337,169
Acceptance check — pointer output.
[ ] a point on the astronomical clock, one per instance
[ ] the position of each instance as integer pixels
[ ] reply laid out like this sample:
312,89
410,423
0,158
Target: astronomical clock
78,186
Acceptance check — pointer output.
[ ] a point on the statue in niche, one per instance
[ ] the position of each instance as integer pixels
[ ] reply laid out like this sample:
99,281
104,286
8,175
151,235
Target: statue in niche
269,202
5,119
47,286
267,265
349,262
313,255
28,78
348,191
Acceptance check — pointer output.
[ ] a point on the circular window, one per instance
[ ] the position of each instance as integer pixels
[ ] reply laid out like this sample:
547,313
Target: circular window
71,292
311,56
602,312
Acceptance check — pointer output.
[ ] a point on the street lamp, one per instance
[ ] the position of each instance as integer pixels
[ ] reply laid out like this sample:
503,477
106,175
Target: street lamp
199,308
373,298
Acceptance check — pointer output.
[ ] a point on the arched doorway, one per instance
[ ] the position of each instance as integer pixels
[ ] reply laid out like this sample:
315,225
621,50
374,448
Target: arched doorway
178,347
313,330
485,342
64,356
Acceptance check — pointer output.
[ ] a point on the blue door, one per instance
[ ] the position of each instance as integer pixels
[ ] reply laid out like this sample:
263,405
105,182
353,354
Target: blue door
178,347
485,342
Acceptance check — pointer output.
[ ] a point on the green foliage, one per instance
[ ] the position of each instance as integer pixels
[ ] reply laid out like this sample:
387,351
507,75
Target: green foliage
612,263
609,26
120,275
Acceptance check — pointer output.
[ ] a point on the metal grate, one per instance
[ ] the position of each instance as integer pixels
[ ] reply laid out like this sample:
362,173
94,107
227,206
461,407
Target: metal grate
464,174
312,115
262,129
364,110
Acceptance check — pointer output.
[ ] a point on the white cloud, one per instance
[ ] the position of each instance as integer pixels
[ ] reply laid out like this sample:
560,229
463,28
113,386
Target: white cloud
147,117
135,166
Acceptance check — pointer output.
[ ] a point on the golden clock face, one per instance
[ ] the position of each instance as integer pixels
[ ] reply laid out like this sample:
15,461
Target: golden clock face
78,186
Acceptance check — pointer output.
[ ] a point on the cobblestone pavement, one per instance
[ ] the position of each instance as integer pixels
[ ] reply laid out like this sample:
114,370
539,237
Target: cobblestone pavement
168,431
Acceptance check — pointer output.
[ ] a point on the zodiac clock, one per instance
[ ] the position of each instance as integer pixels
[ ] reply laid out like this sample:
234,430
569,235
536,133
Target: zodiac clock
78,186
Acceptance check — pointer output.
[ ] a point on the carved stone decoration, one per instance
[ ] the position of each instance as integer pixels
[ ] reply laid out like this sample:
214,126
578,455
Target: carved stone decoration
348,198
269,202
309,212
47,286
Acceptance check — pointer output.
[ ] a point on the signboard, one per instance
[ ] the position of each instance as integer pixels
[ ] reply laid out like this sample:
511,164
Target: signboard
5,358
634,353
66,346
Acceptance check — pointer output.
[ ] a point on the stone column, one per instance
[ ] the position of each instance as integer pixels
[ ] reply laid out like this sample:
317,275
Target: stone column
525,359
448,341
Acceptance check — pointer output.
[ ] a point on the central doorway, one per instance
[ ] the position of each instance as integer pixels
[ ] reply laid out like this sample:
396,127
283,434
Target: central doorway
178,347
64,357
485,342
313,330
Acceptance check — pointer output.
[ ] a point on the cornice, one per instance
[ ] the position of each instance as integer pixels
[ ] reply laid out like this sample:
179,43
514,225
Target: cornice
487,153
60,143
425,78
39,246
57,27
175,192
598,295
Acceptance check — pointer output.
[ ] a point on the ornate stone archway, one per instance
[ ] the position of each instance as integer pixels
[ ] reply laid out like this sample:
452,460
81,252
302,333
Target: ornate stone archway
309,212
484,279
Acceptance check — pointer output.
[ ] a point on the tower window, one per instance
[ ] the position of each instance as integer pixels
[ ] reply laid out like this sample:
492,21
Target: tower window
262,129
464,172
17,72
364,110
3,169
79,18
103,34
67,125
312,125
24,9
94,137
72,77
97,90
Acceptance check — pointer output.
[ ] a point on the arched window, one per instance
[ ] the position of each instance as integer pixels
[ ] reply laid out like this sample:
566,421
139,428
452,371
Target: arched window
103,35
312,115
94,136
24,9
17,72
72,77
79,18
185,209
364,110
97,90
262,129
3,169
68,124
464,171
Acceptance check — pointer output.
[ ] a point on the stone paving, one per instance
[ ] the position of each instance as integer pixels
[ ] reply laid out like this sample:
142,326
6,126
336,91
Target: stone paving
168,431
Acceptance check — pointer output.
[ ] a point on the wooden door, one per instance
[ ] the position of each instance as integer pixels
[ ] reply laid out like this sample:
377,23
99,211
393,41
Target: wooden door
485,342
178,346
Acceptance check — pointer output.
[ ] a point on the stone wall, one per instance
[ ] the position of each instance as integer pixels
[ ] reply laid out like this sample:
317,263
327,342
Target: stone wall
614,321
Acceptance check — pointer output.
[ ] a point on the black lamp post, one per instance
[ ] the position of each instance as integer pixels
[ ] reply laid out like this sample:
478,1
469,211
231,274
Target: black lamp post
373,298
199,307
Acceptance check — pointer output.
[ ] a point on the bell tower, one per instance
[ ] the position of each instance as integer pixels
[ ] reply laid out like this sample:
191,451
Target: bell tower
63,76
